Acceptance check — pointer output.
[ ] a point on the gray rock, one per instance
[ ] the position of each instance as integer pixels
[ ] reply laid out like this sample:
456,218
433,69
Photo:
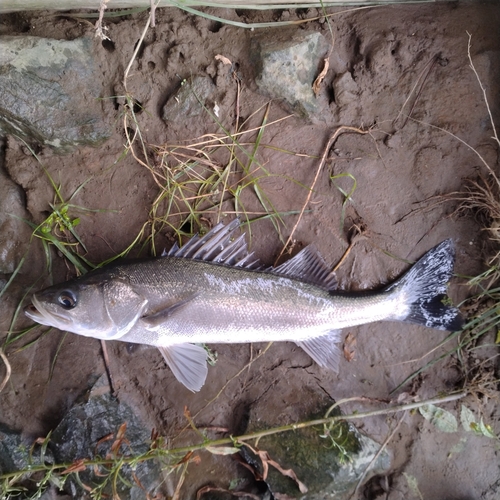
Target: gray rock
14,232
189,101
16,454
79,436
286,68
330,468
49,92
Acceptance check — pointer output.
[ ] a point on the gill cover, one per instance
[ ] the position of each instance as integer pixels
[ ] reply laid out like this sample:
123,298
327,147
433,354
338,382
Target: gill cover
123,307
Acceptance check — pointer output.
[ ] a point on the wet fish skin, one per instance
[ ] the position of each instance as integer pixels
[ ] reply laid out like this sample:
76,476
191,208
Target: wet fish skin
205,293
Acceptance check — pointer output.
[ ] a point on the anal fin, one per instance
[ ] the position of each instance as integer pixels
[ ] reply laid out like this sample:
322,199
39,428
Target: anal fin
324,350
188,363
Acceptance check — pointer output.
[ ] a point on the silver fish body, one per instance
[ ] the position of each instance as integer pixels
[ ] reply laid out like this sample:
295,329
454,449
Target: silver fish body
207,292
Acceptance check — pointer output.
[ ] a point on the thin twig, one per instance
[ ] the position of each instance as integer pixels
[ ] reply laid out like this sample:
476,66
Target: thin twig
329,145
106,365
99,27
484,162
416,90
379,452
8,370
495,136
152,13
236,375
354,240
136,51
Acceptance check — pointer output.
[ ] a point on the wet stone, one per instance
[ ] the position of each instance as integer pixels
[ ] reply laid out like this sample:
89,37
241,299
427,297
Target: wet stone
80,435
14,232
49,92
286,67
17,454
329,464
194,95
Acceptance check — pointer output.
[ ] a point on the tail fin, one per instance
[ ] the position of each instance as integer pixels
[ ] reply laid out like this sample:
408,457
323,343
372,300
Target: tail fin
424,288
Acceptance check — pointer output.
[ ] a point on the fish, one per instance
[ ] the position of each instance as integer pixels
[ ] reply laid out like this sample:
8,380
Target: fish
212,290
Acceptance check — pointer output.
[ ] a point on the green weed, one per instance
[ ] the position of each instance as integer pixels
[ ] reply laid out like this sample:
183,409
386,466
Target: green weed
107,471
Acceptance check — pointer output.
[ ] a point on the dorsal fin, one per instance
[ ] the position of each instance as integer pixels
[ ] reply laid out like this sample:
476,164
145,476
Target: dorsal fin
222,246
219,245
309,266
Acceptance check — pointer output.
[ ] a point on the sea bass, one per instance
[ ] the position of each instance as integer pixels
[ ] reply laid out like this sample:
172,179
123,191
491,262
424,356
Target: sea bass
210,290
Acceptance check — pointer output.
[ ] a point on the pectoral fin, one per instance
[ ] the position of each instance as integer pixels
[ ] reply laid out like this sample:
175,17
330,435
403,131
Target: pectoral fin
324,349
154,321
188,362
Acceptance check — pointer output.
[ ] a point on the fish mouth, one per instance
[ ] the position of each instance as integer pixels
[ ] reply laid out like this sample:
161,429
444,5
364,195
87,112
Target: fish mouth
38,313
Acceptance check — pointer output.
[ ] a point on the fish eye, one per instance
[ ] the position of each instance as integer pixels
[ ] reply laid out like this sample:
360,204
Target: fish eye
67,300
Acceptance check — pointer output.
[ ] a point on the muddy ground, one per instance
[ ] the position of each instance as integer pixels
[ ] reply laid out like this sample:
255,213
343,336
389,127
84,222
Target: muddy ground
388,54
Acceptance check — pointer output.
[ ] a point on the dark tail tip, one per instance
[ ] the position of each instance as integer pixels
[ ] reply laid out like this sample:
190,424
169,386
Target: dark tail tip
436,313
425,286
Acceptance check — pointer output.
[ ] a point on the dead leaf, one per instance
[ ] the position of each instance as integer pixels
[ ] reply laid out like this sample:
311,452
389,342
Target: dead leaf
223,59
185,459
97,473
104,439
77,466
267,461
188,458
319,79
349,342
289,473
120,439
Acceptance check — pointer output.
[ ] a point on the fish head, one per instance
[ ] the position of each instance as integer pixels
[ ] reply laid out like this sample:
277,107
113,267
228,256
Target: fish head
103,309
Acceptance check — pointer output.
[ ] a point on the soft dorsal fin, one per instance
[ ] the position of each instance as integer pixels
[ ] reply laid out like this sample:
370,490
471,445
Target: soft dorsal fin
220,245
309,266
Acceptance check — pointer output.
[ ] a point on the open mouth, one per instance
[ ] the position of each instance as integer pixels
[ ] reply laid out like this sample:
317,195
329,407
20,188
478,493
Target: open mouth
38,313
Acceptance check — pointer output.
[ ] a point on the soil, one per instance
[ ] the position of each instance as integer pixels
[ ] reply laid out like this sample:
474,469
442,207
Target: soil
402,60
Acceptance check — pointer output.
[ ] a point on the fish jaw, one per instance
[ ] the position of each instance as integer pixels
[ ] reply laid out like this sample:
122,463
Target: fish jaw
38,313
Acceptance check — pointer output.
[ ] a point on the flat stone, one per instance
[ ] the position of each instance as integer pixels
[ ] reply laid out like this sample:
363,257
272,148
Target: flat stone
194,95
14,232
80,435
330,467
286,67
49,92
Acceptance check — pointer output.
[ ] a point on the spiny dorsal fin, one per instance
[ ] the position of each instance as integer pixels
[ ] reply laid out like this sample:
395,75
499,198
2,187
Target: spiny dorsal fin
309,266
222,246
219,245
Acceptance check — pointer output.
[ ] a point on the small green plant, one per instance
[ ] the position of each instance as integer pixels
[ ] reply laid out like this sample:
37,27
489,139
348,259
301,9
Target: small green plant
213,175
107,471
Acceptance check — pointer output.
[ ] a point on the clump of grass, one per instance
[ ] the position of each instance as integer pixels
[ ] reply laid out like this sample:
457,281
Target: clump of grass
214,176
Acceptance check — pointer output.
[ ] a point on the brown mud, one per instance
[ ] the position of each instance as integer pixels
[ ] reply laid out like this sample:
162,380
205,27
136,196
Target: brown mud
385,64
